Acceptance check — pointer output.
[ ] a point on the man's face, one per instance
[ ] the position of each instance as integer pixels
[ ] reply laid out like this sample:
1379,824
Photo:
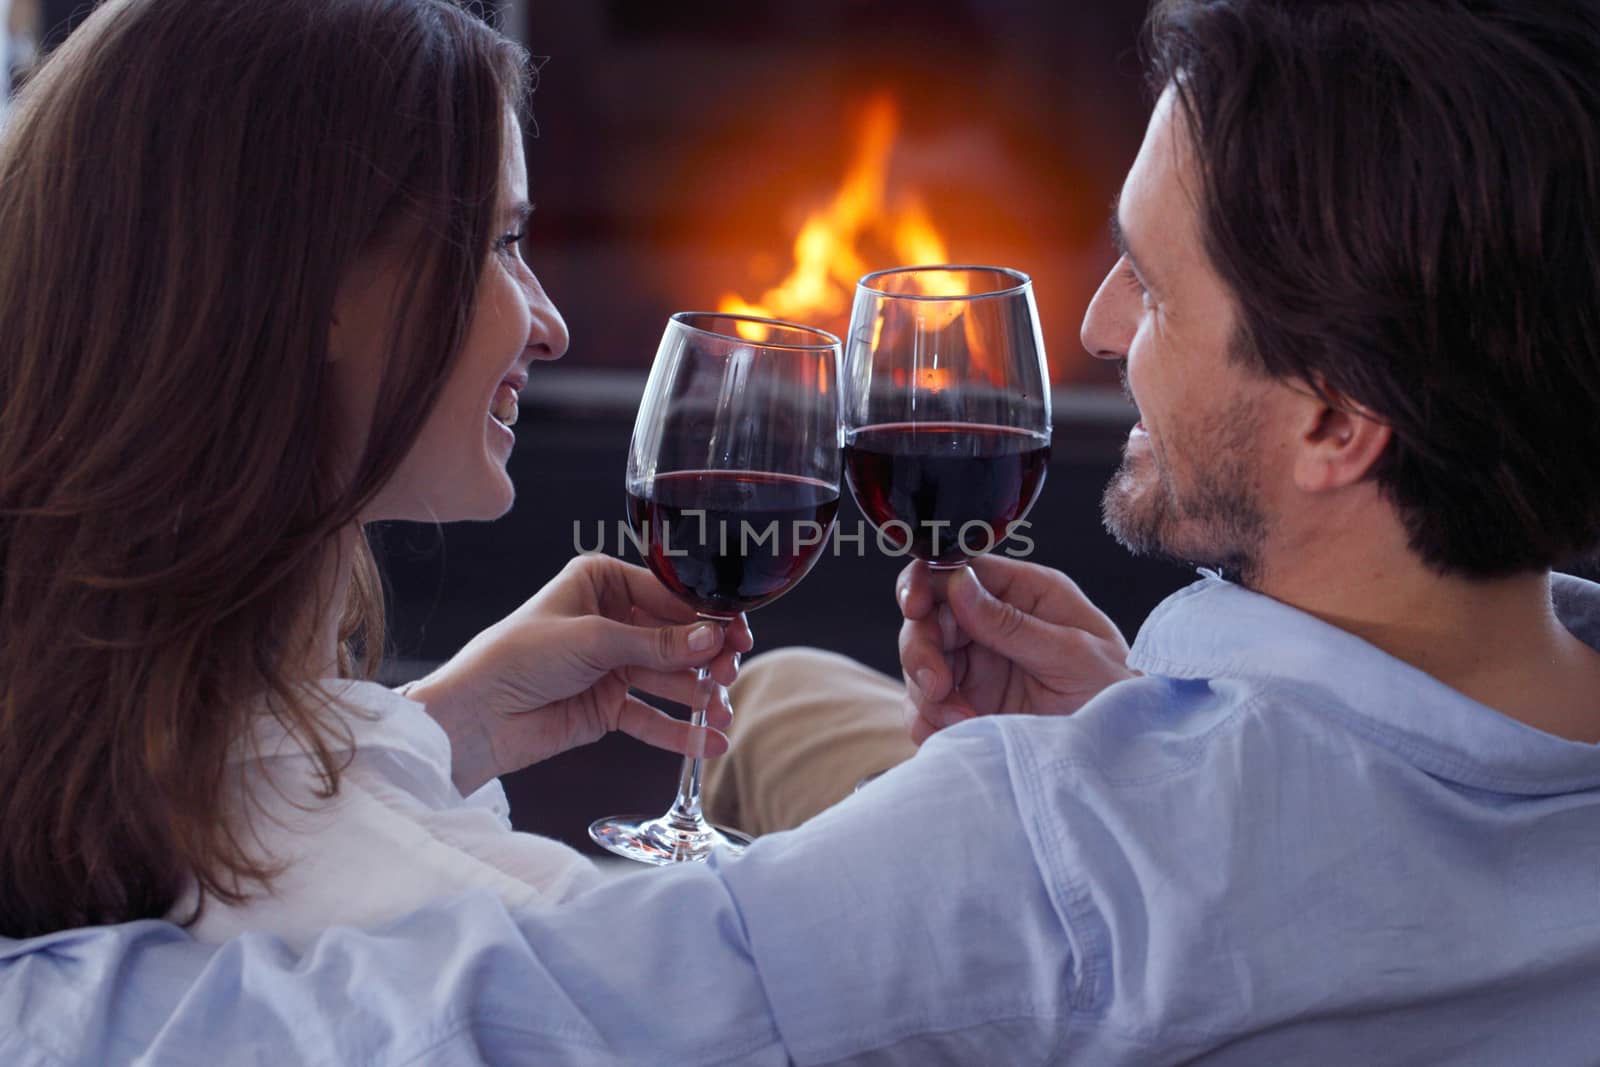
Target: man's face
1190,484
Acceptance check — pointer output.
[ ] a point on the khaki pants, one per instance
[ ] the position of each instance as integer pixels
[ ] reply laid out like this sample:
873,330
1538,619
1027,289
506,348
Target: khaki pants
807,726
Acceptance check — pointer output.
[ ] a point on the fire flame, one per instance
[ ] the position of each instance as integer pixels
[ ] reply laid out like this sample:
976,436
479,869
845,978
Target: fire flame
828,255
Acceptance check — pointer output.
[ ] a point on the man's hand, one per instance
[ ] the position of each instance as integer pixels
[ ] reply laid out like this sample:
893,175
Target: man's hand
555,673
1001,635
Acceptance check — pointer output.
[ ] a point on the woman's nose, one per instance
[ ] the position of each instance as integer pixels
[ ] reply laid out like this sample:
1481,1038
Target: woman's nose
547,335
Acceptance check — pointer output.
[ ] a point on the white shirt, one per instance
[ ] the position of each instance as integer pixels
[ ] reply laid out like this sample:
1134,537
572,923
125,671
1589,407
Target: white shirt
397,834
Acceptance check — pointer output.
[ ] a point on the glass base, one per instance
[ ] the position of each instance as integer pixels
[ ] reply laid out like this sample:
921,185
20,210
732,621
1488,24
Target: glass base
663,839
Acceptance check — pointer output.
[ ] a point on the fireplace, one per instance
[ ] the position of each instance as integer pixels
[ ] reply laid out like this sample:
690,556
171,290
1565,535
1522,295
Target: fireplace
762,156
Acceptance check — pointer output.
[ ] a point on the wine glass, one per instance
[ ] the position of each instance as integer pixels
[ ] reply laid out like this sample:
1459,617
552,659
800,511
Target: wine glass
947,408
733,486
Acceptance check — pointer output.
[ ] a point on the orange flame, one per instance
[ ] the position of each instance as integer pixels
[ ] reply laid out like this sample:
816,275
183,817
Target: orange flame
828,256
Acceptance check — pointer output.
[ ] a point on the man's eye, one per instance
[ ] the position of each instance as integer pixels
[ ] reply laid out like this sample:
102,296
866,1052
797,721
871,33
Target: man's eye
1132,279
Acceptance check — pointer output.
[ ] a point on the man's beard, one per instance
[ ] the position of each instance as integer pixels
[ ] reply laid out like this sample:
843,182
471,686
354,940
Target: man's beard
1215,520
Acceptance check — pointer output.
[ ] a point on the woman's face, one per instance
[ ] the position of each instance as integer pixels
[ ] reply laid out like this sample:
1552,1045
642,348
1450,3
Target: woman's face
456,468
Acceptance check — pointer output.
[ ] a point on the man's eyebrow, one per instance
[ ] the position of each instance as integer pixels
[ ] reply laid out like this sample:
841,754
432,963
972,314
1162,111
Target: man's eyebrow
1119,237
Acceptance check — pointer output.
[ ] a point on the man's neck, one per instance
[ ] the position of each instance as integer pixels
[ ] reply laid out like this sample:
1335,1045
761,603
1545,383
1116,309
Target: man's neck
1497,641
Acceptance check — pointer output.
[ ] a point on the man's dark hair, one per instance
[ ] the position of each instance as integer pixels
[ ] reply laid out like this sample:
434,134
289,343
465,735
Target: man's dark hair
1404,198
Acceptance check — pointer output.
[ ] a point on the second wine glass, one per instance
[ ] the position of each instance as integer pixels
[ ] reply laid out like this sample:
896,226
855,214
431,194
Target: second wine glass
947,408
732,486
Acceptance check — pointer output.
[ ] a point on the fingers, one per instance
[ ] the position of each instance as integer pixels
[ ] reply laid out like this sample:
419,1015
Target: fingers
917,725
681,687
1002,626
657,728
739,639
620,587
914,590
740,636
926,717
1043,592
623,592
919,588
925,645
719,709
607,645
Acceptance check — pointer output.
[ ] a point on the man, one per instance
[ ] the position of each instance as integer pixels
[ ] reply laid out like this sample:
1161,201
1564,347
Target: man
1349,813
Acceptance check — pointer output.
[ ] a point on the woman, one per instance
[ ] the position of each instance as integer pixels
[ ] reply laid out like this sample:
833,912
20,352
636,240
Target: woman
262,284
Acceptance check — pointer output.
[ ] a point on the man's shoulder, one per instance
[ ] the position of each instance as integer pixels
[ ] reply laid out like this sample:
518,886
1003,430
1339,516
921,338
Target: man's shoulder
1231,854
1153,731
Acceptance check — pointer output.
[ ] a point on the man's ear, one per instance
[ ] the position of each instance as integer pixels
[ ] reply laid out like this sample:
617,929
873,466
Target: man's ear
1337,442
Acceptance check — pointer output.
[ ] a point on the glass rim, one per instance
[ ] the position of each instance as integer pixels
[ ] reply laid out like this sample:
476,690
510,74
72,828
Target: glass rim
1020,281
682,318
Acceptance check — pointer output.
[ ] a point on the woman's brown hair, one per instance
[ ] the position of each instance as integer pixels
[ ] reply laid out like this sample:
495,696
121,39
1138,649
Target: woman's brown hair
183,185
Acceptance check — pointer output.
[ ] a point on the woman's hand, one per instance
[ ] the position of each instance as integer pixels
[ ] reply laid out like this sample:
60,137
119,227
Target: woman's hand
1001,635
555,673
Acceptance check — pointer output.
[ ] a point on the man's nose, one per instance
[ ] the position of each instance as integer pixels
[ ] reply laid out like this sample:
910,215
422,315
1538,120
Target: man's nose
1112,318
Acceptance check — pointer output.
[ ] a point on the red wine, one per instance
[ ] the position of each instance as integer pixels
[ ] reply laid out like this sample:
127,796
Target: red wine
935,477
730,541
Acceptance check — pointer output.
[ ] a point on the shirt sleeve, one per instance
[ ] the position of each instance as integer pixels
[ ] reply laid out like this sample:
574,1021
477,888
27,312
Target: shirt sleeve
911,923
652,972
879,932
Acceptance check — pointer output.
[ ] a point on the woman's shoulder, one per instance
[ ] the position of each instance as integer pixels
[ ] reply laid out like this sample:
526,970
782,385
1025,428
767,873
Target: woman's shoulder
396,834
356,716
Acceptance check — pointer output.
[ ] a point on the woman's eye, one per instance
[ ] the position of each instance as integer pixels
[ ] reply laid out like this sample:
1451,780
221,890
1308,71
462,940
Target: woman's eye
510,242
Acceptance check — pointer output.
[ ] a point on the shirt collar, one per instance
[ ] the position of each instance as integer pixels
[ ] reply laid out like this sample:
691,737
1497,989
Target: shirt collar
371,718
1215,629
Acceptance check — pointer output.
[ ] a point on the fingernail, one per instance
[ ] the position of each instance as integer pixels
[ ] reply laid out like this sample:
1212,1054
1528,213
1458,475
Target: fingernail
951,716
925,679
703,637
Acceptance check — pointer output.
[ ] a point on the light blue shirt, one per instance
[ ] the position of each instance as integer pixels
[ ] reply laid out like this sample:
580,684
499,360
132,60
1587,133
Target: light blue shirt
1281,846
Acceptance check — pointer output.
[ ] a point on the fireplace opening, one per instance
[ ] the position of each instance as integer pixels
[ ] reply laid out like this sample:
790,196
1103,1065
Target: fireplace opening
761,157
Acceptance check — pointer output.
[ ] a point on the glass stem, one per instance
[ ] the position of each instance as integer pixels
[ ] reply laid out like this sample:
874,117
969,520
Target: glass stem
685,812
686,809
